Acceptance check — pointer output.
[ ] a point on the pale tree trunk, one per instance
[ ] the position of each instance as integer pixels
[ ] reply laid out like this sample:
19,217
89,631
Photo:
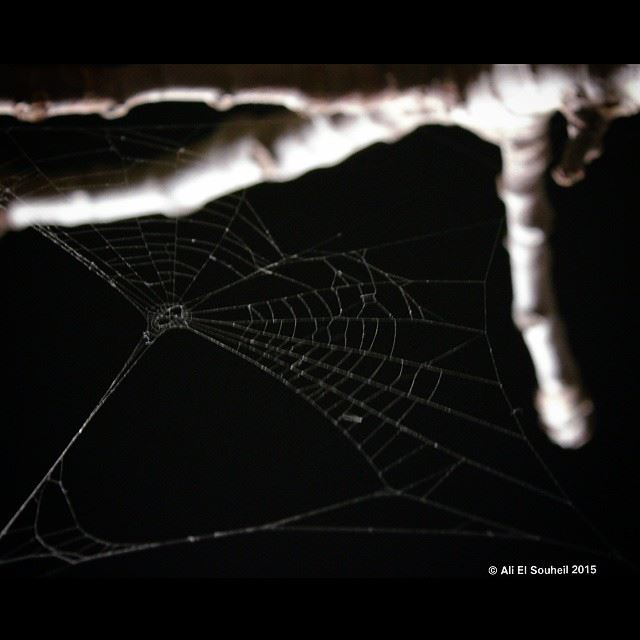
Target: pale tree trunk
333,111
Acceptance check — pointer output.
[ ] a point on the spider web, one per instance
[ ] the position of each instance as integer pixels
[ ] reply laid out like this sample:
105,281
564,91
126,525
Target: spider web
398,360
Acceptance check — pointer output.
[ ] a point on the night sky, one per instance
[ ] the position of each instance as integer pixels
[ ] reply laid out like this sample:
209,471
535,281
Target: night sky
196,439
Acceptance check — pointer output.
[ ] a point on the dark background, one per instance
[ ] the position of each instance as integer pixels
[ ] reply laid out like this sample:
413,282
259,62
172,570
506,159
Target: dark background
67,334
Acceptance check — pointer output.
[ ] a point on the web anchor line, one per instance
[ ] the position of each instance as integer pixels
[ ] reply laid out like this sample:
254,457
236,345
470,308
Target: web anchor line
138,351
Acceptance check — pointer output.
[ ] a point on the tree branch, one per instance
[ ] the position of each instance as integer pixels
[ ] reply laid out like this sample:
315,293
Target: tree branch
335,111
